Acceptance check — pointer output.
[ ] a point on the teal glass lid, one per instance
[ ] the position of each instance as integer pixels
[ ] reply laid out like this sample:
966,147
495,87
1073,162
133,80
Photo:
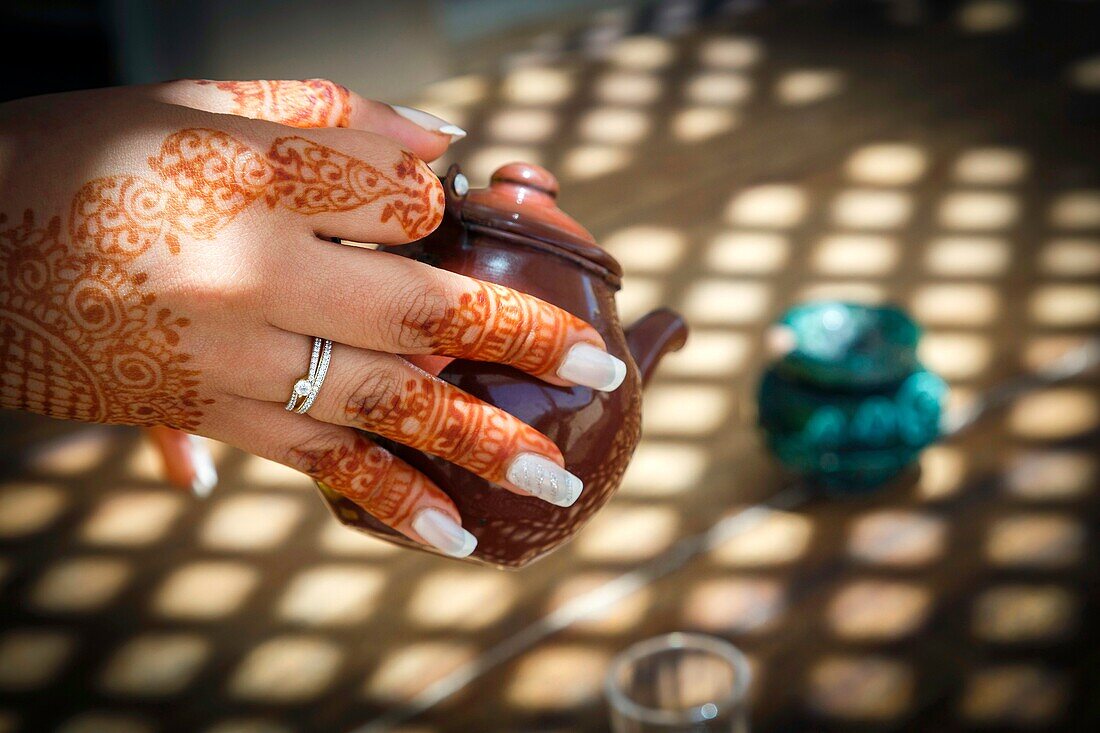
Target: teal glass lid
845,345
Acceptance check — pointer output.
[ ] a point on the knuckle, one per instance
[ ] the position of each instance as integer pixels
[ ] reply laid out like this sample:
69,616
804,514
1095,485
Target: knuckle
318,456
420,316
375,393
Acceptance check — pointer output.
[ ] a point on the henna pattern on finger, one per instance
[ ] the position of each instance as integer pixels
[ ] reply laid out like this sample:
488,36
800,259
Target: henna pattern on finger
207,178
372,477
313,179
82,339
437,418
305,103
498,324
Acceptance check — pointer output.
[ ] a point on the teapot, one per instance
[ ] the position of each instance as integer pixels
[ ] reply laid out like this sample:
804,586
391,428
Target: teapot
513,234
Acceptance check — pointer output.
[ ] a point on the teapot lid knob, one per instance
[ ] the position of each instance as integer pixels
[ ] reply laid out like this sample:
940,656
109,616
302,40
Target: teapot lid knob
529,175
520,200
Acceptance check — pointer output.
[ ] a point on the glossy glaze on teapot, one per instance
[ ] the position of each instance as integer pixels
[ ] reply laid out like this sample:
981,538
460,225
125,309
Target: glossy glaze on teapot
513,234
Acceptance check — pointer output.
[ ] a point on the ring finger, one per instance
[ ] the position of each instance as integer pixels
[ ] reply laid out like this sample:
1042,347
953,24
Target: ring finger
386,395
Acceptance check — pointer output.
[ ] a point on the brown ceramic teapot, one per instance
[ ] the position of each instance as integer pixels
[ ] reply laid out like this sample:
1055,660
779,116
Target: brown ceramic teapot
513,234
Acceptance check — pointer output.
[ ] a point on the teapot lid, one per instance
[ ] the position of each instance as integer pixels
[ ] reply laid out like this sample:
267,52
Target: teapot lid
519,205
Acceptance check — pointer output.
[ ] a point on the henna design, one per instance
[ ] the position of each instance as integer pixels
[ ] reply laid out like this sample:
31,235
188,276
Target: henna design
498,324
80,337
373,478
306,103
211,177
207,178
432,416
312,179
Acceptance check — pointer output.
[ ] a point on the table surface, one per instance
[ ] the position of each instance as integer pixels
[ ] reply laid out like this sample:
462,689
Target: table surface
736,159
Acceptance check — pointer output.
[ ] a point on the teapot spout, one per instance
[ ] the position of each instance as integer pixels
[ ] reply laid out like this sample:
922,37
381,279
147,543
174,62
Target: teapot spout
654,335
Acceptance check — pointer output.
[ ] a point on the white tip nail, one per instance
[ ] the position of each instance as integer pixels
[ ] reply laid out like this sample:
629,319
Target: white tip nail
206,475
430,122
545,479
592,367
444,533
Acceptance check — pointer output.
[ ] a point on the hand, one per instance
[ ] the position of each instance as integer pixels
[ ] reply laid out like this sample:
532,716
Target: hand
164,264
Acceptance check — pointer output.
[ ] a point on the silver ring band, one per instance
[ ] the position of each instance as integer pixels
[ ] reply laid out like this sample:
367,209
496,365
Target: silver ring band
305,389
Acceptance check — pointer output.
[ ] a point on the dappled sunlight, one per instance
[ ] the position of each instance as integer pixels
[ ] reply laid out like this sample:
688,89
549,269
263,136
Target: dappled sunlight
781,538
132,518
32,658
748,252
250,523
960,305
861,688
646,248
726,302
859,255
991,166
735,605
155,664
685,410
627,88
1055,414
470,598
1036,540
1025,613
26,508
696,124
616,618
291,668
407,670
205,590
769,206
872,209
887,164
627,534
589,161
559,676
807,86
80,585
878,610
332,594
897,538
967,256
522,125
537,85
663,468
1014,694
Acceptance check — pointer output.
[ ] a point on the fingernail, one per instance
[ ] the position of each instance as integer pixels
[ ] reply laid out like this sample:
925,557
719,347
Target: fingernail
585,364
444,533
206,476
545,479
430,122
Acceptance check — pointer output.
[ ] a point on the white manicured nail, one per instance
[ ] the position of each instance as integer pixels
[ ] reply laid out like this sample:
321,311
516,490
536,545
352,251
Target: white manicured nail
443,533
206,476
585,364
430,122
545,479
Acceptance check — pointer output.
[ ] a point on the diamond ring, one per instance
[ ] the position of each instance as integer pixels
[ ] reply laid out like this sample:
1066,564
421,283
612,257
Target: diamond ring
305,389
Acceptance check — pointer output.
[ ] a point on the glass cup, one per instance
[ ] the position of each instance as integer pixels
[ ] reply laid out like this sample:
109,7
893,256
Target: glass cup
679,682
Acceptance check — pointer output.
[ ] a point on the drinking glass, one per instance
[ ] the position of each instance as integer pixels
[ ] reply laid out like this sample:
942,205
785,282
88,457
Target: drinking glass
679,682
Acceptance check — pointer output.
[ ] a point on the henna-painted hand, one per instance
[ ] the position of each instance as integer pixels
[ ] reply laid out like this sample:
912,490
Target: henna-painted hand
164,261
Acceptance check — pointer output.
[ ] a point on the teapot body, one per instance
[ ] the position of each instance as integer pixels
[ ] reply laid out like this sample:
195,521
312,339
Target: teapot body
596,431
513,234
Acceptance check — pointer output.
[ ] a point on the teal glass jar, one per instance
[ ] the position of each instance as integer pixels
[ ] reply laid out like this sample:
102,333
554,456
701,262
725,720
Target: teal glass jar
848,404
